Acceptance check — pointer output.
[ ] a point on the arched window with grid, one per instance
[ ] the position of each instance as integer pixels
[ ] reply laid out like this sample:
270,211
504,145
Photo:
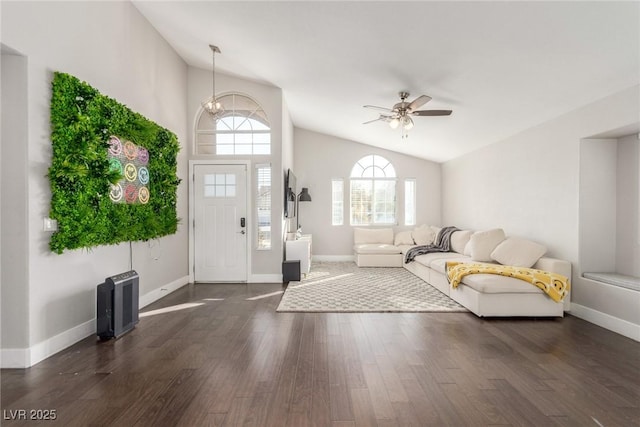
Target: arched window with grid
241,130
373,191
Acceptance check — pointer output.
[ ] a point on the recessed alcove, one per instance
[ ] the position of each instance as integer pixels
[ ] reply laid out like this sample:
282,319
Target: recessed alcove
610,210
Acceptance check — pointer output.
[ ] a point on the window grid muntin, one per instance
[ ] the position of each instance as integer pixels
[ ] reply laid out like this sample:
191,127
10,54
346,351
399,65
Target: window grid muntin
373,201
378,166
373,192
337,201
242,117
219,185
410,201
263,207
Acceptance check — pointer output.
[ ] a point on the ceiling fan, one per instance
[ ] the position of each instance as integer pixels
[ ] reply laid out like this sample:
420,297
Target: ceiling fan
400,114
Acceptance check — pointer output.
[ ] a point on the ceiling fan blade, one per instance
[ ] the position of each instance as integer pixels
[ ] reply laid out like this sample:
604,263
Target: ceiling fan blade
431,113
419,102
382,117
378,108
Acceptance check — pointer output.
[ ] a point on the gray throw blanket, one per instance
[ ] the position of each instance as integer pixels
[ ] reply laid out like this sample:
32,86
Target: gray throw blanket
442,244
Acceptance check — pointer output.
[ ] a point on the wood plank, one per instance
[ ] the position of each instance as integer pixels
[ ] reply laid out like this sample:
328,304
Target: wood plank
339,396
378,392
300,406
321,390
392,381
362,407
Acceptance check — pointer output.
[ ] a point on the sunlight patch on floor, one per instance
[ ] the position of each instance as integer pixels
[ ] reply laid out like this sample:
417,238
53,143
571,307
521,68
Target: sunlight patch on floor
315,282
264,296
170,309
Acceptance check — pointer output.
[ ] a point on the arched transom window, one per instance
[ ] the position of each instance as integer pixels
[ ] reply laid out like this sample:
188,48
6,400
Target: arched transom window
242,129
373,191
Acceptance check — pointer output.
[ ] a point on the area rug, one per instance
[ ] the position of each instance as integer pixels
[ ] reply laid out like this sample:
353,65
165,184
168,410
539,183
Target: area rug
345,287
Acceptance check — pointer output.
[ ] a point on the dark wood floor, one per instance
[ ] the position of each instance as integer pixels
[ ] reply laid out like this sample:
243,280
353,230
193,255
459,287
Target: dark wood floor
235,362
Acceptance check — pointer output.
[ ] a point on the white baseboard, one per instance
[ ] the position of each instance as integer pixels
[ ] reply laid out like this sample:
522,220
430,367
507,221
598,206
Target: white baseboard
265,278
27,357
615,324
11,358
162,291
333,258
59,342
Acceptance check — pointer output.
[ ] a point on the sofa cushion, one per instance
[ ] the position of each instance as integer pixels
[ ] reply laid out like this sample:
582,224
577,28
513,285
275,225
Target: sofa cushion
440,264
518,252
459,240
373,235
427,259
405,248
484,242
494,284
376,248
423,235
403,238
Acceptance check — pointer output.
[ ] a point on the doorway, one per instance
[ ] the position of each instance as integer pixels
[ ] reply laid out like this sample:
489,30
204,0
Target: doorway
220,223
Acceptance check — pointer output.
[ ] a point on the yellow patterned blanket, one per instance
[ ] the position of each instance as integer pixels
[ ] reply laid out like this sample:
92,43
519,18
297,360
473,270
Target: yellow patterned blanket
555,285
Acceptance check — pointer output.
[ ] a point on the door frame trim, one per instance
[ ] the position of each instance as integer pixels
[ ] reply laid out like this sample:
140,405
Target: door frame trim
249,193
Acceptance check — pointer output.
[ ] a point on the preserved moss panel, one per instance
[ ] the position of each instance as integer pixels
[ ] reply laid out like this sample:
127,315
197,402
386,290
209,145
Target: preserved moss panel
91,192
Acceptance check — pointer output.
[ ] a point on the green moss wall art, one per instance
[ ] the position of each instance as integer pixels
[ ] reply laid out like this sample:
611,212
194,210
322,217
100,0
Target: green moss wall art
113,172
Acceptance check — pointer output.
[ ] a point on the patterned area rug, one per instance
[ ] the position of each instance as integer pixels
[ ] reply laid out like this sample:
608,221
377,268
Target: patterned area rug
345,287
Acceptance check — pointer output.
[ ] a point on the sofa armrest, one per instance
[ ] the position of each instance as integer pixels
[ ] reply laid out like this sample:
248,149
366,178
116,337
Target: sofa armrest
554,265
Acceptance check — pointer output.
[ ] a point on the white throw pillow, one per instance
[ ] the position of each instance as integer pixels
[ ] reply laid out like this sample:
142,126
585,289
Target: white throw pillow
467,247
423,235
403,238
436,231
518,252
484,242
459,240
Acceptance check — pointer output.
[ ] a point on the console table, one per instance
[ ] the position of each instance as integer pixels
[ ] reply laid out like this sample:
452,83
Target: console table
300,249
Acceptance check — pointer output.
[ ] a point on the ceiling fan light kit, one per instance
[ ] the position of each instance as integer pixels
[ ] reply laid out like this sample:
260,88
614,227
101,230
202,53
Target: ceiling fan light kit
400,114
212,106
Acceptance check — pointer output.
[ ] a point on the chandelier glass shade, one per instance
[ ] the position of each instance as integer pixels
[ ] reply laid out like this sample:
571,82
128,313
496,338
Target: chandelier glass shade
407,123
211,105
402,121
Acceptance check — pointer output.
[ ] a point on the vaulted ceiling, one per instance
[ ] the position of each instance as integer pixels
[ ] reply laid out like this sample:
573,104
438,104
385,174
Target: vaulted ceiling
502,67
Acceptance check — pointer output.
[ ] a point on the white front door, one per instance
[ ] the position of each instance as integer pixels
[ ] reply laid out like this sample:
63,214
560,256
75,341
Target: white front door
220,223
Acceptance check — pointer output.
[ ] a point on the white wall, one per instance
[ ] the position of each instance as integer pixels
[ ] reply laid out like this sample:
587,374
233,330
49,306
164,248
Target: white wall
319,158
529,185
597,205
265,264
114,49
287,163
13,206
628,206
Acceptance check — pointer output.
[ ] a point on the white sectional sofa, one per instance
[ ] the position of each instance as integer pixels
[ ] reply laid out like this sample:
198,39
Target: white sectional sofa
483,294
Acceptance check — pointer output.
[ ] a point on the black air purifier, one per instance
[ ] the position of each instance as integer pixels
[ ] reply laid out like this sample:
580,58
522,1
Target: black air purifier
117,299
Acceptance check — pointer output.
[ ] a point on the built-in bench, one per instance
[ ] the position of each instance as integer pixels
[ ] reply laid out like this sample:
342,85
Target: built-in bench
615,279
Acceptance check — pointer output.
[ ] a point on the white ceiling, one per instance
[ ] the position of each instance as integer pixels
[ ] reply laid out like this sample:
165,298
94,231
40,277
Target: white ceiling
502,67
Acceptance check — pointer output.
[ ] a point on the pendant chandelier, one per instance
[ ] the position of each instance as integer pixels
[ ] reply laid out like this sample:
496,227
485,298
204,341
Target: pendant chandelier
211,105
